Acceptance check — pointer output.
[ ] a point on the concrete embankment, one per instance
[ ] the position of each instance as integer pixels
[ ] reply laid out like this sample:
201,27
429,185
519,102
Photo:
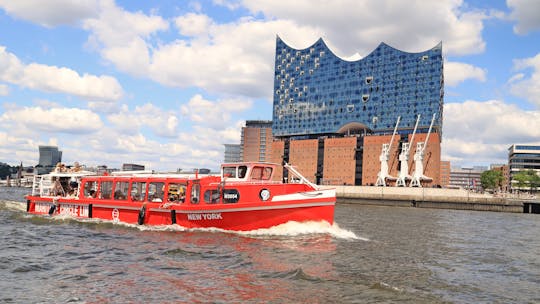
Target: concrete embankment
431,198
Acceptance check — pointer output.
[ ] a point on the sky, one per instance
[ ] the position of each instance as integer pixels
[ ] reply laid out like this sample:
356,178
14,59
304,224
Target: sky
166,83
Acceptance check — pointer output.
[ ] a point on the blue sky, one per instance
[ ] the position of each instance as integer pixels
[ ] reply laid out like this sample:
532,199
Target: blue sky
167,83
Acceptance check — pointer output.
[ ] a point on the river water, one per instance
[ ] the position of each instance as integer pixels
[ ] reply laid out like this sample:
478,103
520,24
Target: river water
373,255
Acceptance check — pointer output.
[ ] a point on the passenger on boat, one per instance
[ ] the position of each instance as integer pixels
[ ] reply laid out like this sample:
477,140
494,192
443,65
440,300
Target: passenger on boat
57,188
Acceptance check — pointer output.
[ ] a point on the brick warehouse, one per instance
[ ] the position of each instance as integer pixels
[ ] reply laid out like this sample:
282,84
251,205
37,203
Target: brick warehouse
332,116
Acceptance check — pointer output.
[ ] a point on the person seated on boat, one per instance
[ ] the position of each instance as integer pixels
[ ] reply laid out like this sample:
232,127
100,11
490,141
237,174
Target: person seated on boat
92,193
76,167
182,193
242,171
119,195
58,168
57,188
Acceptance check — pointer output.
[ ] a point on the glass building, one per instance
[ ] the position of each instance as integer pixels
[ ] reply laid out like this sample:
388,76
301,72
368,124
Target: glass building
316,93
523,158
49,156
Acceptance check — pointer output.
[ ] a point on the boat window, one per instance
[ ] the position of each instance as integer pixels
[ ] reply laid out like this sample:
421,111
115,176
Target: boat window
242,171
195,192
263,173
211,196
138,191
267,173
121,190
90,189
105,190
229,172
177,193
155,191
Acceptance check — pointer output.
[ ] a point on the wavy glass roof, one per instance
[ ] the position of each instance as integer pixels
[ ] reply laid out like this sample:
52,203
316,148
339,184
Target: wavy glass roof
317,92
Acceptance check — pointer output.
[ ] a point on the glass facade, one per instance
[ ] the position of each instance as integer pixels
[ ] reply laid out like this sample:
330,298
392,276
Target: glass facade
317,93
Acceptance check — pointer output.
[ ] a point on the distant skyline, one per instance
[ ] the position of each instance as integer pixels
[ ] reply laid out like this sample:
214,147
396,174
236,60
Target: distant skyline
166,83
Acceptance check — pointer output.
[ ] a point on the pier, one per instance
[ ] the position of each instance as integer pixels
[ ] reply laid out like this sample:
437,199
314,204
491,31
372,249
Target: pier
457,199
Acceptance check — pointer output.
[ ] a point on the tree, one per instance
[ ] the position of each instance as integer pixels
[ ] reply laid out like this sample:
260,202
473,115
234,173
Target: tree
5,170
527,178
491,179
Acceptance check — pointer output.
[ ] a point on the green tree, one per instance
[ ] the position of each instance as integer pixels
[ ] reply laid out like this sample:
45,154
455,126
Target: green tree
491,179
5,170
527,178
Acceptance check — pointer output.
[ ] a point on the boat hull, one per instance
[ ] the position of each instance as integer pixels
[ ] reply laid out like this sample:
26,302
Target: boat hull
237,217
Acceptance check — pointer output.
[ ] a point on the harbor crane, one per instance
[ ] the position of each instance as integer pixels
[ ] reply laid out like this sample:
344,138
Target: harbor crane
418,174
404,159
383,175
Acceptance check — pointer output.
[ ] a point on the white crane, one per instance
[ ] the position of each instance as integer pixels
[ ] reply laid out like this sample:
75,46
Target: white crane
404,159
418,174
383,175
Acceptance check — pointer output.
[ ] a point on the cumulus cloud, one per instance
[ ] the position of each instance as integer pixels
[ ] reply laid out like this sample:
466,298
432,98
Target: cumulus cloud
52,13
526,13
527,86
57,79
457,72
121,36
62,120
217,115
476,131
426,23
162,123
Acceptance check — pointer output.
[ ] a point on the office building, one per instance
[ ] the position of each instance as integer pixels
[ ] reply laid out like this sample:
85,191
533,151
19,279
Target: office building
232,153
132,167
445,173
522,158
49,156
256,140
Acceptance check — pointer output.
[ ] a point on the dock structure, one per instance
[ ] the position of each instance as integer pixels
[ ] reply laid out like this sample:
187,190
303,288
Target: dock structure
437,198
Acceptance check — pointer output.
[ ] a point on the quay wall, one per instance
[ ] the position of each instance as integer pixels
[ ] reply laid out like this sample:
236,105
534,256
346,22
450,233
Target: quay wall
426,198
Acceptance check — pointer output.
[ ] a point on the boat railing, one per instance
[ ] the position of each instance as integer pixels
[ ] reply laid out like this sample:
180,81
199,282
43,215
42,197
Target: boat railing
303,180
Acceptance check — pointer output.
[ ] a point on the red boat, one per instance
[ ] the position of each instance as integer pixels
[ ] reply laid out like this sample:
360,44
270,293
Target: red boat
243,197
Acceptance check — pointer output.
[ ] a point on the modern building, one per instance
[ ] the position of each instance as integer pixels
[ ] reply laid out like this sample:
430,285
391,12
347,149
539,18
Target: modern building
49,156
467,178
232,153
256,140
132,167
332,116
521,158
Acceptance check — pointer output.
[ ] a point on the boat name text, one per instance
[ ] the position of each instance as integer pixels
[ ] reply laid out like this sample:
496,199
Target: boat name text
204,216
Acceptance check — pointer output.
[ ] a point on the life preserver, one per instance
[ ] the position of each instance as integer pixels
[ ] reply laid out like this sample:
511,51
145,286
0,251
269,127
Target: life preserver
142,214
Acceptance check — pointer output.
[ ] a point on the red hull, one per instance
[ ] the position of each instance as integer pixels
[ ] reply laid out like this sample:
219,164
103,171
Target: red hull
238,217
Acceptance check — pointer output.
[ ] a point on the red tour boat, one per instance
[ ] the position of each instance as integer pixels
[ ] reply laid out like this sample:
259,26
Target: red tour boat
244,197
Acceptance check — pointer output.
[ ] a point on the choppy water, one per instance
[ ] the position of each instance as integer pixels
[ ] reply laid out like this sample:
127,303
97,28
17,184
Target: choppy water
373,255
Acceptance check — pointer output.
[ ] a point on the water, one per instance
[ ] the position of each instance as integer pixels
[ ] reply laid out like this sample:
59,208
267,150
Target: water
373,255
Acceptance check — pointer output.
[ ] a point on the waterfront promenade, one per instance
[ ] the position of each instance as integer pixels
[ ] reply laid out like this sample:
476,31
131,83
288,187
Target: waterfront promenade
435,198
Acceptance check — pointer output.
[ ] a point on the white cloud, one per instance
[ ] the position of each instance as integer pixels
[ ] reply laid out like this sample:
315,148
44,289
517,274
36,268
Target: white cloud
4,90
162,123
457,72
475,131
527,87
217,115
121,36
63,120
57,79
526,13
425,22
51,13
